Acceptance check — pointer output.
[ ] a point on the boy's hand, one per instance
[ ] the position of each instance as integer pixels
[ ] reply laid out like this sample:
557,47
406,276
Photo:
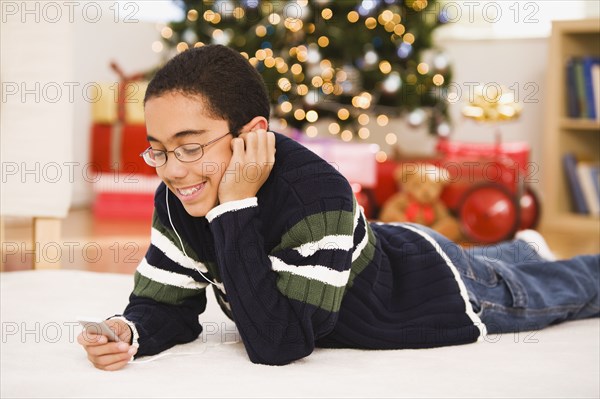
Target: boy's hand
251,163
106,355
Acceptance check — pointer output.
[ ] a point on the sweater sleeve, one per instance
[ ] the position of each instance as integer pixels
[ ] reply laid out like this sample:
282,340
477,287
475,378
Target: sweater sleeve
283,301
168,293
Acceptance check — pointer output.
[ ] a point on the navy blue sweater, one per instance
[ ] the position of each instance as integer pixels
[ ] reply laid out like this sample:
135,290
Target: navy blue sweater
296,267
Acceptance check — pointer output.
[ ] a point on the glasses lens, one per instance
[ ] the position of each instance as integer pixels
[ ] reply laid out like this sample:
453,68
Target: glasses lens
154,158
148,158
189,152
159,157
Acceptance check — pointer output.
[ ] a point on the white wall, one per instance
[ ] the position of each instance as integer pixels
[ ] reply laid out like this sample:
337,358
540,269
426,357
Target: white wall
36,132
52,53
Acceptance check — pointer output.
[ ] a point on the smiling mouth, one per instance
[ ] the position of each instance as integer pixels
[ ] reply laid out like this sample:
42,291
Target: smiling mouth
191,190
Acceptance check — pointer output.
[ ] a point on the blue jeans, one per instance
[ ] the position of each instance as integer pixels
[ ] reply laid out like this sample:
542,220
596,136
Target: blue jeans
513,289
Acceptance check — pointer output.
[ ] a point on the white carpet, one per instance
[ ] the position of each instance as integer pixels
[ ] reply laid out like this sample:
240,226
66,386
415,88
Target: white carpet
40,357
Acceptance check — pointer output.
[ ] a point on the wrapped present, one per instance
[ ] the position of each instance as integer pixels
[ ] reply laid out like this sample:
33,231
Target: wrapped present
117,148
116,205
133,142
118,132
134,102
125,183
356,161
104,102
101,158
386,185
106,147
114,102
118,138
124,196
117,124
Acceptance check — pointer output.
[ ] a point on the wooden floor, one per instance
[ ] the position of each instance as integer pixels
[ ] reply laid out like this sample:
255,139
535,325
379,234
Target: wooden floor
87,243
118,246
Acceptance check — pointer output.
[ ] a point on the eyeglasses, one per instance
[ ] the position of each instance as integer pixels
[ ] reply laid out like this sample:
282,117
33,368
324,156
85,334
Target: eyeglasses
185,153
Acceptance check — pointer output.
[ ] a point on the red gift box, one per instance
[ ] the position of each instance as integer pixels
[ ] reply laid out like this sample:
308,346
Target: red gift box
386,182
101,154
125,196
123,205
124,157
133,142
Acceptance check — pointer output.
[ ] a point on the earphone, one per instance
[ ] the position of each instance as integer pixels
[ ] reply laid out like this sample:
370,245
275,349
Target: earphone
218,285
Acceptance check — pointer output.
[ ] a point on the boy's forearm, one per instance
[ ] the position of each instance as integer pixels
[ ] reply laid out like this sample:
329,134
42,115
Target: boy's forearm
161,326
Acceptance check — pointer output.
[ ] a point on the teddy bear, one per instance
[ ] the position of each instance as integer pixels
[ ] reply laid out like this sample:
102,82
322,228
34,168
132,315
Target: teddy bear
419,199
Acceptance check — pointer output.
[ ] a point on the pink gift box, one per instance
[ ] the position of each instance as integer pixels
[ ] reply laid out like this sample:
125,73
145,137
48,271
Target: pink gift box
355,161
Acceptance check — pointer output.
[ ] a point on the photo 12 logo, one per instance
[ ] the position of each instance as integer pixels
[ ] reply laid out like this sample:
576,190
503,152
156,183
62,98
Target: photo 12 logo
68,11
38,332
490,12
491,92
70,252
54,172
53,92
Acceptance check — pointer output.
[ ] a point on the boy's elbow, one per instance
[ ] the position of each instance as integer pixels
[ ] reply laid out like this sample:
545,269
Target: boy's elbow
279,356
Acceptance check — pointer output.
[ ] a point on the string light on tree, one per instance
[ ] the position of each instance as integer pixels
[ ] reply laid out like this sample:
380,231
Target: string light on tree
391,138
382,120
312,131
364,133
360,57
381,156
334,128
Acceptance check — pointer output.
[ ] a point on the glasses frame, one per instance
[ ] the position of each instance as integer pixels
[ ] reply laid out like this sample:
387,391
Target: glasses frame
149,149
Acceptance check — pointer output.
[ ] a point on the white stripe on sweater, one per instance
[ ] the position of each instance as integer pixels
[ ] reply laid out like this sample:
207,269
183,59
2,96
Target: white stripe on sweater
333,241
173,252
231,206
357,214
168,278
363,243
343,242
313,272
224,302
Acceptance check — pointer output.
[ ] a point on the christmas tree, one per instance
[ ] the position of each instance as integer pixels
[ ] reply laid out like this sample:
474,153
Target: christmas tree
346,60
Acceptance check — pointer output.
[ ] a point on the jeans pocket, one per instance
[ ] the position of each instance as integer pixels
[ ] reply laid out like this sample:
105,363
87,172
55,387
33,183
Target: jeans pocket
517,291
481,273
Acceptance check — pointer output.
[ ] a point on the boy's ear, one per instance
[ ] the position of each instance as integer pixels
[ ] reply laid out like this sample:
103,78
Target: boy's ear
257,123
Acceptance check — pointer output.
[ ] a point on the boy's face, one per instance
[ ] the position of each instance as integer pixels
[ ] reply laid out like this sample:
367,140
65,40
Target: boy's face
173,120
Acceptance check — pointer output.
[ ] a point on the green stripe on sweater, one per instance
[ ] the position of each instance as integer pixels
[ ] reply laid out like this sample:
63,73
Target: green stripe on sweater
170,234
144,287
314,227
314,292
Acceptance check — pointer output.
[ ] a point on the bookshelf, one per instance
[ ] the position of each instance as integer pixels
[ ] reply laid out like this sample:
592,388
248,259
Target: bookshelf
563,134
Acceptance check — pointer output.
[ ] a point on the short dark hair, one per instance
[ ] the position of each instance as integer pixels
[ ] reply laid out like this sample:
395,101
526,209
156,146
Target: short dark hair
230,86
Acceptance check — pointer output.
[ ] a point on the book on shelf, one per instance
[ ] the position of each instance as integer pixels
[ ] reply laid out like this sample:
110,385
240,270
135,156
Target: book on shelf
575,190
595,77
583,179
595,171
583,87
587,172
572,98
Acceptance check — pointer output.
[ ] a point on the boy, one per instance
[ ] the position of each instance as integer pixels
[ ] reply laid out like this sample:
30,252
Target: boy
276,230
